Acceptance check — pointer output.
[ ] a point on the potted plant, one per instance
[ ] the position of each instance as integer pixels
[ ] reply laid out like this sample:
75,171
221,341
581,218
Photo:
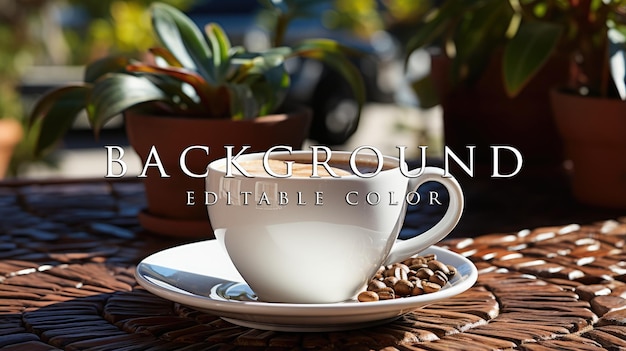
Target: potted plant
16,47
491,91
11,131
194,90
588,108
568,42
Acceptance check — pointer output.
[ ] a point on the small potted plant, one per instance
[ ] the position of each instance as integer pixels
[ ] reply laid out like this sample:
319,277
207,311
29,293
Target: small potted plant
490,92
11,131
573,49
196,89
588,108
16,47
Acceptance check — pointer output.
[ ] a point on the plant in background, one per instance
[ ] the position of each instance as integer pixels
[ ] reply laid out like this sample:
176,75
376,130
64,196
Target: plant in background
94,29
528,33
367,17
193,74
17,45
22,42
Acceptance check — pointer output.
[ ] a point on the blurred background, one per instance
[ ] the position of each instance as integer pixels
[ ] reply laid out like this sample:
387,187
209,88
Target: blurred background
45,43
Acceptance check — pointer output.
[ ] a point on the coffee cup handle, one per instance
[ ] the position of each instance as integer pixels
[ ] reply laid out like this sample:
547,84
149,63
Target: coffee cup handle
403,249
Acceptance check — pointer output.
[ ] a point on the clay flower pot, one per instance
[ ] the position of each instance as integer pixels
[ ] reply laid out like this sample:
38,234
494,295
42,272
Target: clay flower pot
11,133
481,114
594,135
168,212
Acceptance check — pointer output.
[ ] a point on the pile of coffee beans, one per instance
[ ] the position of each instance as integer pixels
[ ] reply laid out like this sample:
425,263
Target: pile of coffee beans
411,277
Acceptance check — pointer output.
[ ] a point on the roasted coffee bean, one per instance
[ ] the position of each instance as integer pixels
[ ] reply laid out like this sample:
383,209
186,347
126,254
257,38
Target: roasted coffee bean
452,270
417,261
411,277
403,287
430,257
438,266
386,294
417,288
401,273
388,272
390,281
397,270
375,285
439,277
368,296
415,267
404,268
430,287
424,273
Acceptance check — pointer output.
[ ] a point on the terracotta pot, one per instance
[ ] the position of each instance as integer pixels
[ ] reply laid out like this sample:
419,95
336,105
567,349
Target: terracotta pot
481,114
594,134
11,133
168,212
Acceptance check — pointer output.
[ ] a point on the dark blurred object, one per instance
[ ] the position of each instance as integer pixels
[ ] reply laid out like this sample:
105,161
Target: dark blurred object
314,84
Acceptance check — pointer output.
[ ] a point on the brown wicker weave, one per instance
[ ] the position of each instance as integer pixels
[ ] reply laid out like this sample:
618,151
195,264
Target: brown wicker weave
68,252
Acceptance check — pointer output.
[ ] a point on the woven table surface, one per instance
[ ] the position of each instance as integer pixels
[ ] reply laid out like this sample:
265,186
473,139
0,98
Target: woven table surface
68,253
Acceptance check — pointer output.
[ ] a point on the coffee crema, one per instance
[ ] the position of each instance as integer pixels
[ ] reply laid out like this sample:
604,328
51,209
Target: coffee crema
298,169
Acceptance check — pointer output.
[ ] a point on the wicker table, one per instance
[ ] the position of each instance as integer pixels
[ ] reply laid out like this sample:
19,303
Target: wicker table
68,253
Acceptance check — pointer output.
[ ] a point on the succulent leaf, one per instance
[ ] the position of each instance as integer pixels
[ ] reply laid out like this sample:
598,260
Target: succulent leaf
57,110
106,65
243,105
436,24
202,89
166,56
194,73
526,53
183,39
332,55
220,46
117,93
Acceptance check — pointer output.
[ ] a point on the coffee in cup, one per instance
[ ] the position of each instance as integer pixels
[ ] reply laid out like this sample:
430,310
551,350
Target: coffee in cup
290,169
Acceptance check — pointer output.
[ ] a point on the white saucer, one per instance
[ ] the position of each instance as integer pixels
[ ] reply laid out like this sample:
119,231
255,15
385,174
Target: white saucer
201,275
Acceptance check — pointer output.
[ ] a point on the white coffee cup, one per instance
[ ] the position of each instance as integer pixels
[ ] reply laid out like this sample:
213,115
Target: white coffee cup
299,239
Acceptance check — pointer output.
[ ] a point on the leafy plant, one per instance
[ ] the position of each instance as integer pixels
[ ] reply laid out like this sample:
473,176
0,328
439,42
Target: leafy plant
107,26
528,33
193,74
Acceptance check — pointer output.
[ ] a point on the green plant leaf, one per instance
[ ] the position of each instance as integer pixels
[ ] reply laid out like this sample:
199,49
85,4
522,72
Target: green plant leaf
220,46
425,90
165,55
242,62
183,39
617,60
295,8
182,95
200,86
326,45
117,93
265,79
478,34
103,66
276,6
272,88
57,110
436,24
243,103
346,69
336,60
526,53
